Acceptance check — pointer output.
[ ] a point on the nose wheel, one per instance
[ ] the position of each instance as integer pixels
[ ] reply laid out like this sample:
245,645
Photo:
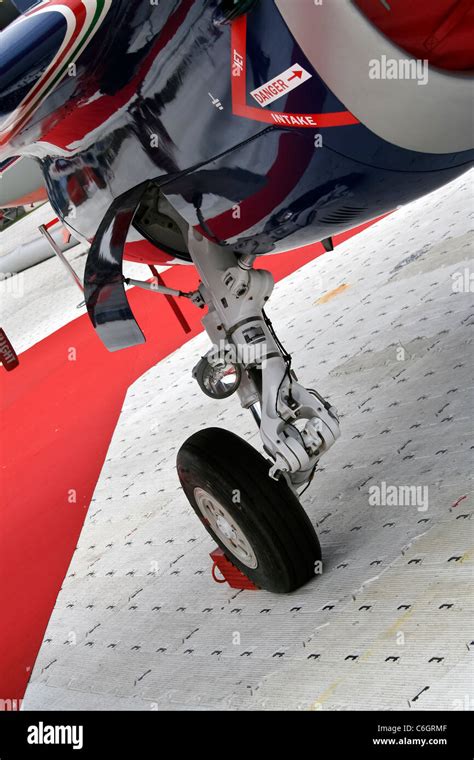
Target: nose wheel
258,522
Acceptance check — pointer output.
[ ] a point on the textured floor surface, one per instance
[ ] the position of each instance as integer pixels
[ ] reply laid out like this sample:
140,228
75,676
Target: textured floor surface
140,624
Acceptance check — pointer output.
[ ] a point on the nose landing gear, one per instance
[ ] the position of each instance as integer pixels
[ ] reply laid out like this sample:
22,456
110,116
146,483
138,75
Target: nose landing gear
247,503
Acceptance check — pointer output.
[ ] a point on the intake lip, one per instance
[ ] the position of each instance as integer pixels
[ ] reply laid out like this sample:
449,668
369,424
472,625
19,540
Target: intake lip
432,116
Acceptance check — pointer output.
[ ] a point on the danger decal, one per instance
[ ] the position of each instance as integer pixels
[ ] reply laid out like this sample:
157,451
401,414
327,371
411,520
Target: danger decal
281,85
272,90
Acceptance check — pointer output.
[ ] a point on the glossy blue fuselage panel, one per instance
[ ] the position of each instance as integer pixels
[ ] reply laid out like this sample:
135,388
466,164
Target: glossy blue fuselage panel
151,100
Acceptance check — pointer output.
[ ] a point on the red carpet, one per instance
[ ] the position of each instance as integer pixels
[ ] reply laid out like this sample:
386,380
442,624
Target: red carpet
58,417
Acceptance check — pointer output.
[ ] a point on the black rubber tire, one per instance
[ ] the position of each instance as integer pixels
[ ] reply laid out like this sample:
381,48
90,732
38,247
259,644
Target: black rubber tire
273,520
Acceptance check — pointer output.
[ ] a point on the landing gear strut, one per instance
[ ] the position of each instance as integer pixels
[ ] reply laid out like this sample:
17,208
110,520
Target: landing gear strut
249,504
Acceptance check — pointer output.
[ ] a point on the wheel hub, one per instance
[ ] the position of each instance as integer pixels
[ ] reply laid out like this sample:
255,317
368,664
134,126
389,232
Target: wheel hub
226,528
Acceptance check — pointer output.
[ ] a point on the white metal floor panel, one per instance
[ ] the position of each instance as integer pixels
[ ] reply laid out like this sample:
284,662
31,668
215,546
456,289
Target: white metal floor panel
140,624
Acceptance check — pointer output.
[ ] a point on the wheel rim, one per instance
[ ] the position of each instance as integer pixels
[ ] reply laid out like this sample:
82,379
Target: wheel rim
226,528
